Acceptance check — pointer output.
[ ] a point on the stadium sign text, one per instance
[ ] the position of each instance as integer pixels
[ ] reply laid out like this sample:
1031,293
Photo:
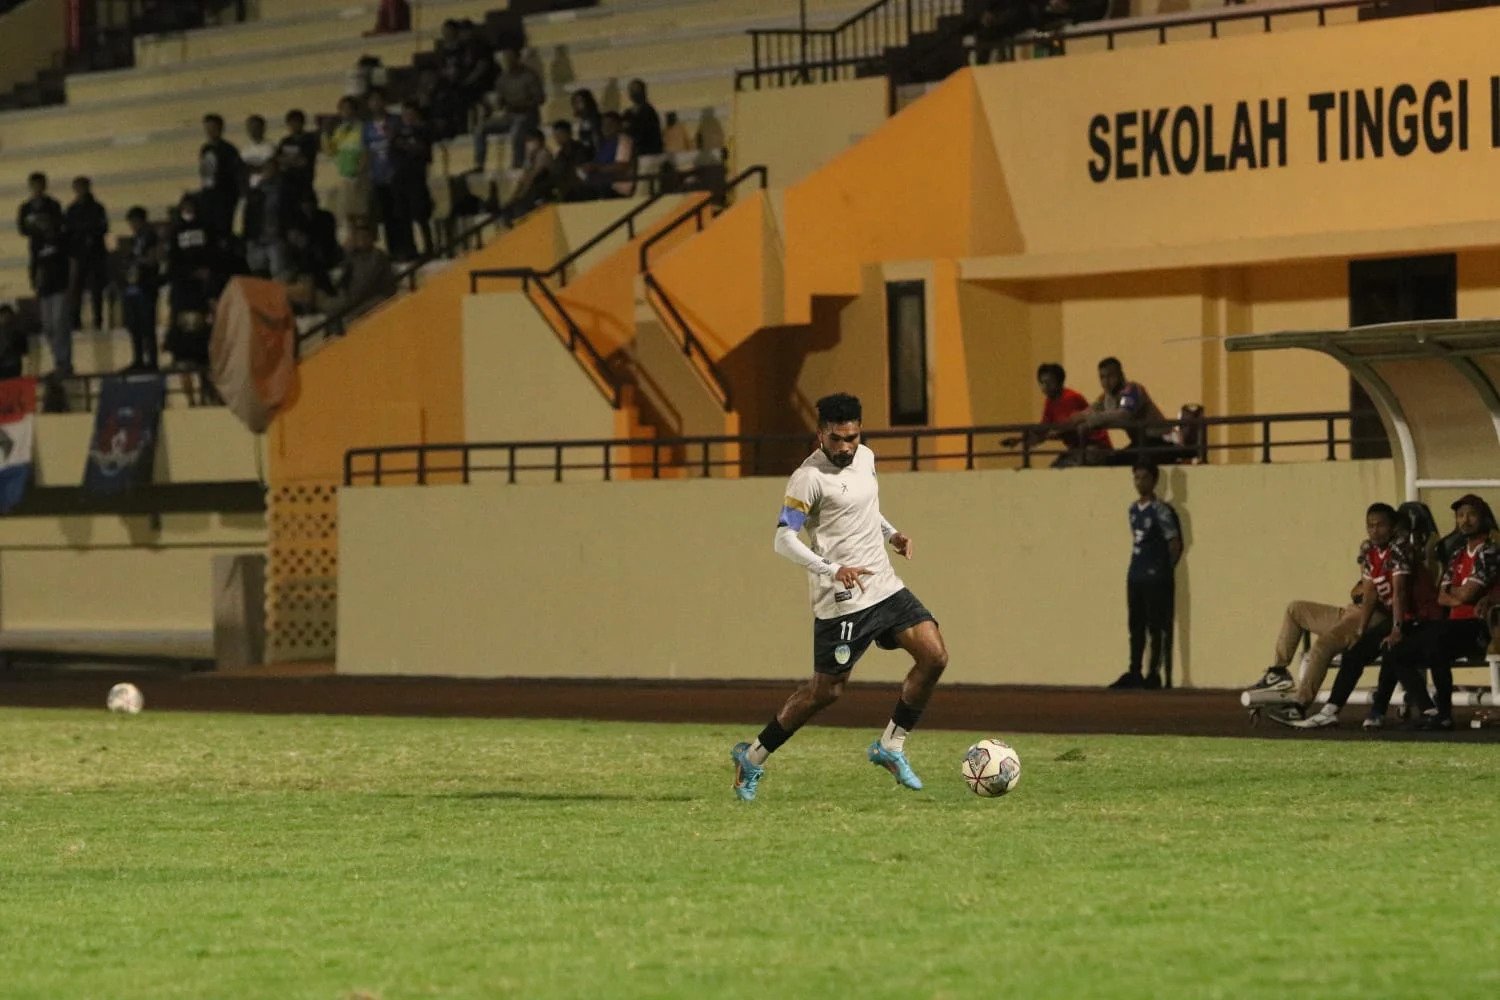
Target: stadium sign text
1252,135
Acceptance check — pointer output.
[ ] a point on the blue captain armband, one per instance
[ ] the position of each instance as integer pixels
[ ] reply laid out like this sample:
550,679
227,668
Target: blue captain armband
791,517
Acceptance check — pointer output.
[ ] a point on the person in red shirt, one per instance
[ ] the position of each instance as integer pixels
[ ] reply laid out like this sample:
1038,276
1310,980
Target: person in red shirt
1083,447
1472,570
1410,597
1383,562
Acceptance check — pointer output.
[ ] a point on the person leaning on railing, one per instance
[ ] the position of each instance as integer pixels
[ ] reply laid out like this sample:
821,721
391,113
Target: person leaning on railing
1061,405
1127,406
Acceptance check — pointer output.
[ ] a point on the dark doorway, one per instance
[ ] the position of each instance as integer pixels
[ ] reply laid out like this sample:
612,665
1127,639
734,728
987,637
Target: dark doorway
1395,290
906,329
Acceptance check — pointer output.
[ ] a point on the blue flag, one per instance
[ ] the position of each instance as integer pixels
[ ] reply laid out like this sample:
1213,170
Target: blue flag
123,448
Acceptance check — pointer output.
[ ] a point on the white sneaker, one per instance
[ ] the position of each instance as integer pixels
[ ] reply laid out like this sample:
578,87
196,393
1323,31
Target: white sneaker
1327,716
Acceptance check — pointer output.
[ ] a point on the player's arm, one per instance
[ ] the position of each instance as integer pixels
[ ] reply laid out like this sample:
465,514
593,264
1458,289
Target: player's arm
1173,533
801,495
1400,594
898,540
1466,593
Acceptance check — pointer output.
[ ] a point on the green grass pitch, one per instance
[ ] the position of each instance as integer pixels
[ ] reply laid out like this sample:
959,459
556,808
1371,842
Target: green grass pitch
221,856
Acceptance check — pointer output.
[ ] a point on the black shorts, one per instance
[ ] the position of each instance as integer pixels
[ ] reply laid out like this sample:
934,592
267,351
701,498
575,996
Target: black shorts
838,643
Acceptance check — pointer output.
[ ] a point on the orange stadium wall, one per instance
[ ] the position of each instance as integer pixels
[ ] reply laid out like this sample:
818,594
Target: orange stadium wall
990,171
783,130
1025,570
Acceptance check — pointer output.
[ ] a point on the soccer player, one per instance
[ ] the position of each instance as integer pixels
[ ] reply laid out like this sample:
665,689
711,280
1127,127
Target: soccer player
1150,585
856,596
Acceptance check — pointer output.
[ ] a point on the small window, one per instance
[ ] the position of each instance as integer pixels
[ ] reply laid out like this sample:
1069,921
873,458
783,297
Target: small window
906,321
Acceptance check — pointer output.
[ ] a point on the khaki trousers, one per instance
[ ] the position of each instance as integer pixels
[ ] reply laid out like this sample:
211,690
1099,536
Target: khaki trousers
1334,629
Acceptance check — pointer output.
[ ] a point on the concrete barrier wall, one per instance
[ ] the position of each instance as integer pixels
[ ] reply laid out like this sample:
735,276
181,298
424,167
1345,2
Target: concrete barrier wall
1025,570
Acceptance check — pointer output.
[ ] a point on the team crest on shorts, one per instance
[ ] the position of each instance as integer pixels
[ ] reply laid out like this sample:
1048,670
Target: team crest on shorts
842,653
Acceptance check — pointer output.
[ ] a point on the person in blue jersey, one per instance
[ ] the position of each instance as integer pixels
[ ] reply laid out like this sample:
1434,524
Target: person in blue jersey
1156,546
857,598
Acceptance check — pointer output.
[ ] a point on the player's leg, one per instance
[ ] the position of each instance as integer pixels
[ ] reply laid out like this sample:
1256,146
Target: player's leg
1295,623
924,641
838,643
1332,636
1135,605
1351,668
1159,605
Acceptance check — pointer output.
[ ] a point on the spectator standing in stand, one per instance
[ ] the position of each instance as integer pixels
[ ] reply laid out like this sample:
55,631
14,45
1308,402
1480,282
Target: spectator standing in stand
52,278
345,145
191,258
411,153
219,173
298,153
380,137
28,217
87,225
270,210
642,123
520,95
256,152
141,288
477,69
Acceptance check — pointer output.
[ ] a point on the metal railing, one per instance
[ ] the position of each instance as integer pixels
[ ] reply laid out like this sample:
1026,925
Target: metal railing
1057,38
605,377
675,323
192,383
914,449
855,47
865,44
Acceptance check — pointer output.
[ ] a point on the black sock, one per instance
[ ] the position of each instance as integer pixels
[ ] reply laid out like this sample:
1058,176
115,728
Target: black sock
773,736
905,716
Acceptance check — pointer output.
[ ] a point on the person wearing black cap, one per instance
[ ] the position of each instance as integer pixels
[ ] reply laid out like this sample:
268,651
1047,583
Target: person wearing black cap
1471,572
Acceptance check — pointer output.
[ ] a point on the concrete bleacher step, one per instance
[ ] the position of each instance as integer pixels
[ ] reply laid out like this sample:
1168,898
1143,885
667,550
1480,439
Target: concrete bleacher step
332,25
559,67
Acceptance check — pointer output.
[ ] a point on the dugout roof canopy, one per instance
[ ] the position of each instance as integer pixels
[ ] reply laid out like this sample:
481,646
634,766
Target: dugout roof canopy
1436,385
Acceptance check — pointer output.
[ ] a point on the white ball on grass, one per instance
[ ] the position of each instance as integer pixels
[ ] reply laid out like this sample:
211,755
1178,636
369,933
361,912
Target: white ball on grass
125,698
991,768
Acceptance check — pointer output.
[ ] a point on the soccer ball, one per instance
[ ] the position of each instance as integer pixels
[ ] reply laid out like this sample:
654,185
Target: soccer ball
991,768
125,698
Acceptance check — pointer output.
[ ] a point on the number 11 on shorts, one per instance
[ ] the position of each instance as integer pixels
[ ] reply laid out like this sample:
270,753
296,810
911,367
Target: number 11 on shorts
846,631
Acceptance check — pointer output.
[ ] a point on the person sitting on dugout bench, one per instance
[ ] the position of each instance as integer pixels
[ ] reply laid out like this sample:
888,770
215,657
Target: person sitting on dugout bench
1382,561
1471,573
1415,595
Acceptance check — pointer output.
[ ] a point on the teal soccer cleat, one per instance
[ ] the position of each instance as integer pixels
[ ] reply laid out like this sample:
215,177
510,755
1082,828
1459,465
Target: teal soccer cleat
746,775
895,762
